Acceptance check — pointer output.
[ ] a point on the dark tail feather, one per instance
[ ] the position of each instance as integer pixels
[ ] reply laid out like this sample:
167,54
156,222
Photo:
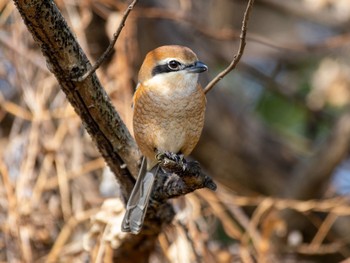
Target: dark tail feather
136,207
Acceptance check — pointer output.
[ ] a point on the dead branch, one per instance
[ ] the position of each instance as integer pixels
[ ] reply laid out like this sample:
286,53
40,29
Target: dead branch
239,53
66,60
110,47
337,206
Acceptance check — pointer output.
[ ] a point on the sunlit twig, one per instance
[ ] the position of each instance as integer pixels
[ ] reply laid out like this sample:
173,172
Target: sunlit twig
239,53
111,44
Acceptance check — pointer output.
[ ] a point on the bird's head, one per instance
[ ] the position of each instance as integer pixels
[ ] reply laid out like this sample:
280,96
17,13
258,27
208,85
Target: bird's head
171,66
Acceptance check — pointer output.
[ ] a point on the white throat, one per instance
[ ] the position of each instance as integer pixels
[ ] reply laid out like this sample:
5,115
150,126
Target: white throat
179,83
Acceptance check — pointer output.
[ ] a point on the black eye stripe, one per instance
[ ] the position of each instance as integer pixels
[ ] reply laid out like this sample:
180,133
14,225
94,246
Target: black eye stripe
161,69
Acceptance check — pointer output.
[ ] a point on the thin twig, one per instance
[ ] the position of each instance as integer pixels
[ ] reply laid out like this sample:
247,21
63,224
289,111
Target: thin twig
322,232
336,205
111,44
228,34
231,227
239,53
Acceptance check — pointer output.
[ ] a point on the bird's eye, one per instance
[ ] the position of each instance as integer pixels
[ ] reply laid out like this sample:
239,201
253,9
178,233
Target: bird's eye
174,65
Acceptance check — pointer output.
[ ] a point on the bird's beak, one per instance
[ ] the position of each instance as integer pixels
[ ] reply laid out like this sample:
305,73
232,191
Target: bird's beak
197,67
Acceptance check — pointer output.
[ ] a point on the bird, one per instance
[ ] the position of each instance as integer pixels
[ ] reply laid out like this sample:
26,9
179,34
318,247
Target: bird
168,117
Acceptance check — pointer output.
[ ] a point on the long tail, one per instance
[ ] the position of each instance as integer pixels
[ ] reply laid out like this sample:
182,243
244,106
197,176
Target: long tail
136,207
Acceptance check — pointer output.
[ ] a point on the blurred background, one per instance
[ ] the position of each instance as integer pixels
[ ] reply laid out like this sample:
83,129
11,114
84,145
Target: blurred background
276,137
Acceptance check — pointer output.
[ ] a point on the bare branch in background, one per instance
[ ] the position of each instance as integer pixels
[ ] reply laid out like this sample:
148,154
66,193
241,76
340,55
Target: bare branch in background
240,51
109,49
229,34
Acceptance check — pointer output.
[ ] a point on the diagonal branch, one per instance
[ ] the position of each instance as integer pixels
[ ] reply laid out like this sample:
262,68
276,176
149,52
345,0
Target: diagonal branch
66,60
240,51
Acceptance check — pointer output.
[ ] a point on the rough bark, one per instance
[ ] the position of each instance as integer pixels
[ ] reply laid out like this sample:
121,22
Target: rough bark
66,60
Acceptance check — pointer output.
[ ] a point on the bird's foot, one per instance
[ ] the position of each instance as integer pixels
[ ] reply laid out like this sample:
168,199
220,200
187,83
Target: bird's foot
176,163
171,161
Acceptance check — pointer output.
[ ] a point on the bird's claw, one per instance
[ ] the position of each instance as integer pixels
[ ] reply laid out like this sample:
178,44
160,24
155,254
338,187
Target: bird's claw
171,159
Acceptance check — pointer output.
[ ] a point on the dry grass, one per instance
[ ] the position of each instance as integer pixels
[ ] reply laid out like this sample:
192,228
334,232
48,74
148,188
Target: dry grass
53,204
50,170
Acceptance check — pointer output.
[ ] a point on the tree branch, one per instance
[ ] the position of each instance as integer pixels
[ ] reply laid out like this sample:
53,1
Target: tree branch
66,60
181,177
239,53
111,44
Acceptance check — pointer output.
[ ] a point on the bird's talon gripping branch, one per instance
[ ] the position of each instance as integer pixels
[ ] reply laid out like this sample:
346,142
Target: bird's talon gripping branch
160,156
171,159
